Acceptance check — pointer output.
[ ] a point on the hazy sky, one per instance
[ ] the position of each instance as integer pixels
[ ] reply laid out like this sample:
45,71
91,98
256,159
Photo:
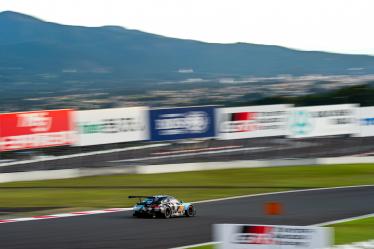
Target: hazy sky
344,26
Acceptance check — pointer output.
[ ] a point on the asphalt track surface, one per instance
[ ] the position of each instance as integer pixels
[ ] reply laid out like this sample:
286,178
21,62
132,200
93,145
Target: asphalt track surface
121,230
254,149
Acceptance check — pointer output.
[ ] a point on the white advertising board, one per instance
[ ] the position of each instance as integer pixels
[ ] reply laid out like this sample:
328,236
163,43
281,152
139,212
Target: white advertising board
252,121
240,236
116,125
327,120
366,121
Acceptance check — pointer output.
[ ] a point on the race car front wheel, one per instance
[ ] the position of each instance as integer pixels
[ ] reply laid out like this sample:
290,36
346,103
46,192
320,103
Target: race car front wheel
167,213
191,211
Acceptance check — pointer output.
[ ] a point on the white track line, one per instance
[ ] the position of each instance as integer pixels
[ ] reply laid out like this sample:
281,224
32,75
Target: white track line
83,154
72,214
363,154
344,220
196,245
284,192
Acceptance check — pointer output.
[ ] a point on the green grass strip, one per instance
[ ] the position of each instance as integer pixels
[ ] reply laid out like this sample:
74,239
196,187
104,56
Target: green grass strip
112,191
354,231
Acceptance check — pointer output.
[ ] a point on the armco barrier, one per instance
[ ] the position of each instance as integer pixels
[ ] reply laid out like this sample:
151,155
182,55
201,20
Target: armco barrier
184,167
169,168
81,155
62,174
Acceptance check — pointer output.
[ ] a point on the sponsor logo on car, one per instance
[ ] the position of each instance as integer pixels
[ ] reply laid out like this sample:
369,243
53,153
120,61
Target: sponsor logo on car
180,209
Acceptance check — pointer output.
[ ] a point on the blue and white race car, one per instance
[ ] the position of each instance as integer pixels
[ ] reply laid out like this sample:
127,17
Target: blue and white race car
164,206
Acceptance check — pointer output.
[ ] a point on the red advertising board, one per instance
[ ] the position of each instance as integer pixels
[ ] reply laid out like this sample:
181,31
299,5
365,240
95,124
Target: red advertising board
36,129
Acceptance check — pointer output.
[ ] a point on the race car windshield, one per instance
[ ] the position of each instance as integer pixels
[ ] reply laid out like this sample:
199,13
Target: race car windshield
159,200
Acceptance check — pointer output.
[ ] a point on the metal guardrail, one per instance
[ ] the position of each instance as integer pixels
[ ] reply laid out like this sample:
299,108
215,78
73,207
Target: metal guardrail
169,168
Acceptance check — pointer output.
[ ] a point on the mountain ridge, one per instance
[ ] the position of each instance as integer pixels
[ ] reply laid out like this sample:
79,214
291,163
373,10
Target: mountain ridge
13,14
39,47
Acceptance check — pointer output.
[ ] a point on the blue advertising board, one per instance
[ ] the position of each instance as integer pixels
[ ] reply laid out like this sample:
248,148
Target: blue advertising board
182,123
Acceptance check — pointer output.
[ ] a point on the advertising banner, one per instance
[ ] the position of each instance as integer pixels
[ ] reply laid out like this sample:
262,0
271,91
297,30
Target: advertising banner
252,121
327,120
237,236
366,121
182,123
116,125
36,129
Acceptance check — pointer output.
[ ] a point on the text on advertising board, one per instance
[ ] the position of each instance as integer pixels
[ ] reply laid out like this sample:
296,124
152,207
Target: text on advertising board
236,236
365,119
252,121
27,130
326,120
181,123
272,235
114,125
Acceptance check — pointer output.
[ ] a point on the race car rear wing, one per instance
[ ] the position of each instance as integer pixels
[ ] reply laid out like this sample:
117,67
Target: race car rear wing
139,196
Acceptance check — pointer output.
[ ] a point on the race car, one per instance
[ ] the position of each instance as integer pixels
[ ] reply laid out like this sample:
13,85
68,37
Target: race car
163,206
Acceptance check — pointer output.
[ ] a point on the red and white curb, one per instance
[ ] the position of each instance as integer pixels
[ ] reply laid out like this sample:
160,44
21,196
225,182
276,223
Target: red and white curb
72,214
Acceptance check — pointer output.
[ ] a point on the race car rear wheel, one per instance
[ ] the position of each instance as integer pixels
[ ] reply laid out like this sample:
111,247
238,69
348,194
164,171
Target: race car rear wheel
191,211
167,213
